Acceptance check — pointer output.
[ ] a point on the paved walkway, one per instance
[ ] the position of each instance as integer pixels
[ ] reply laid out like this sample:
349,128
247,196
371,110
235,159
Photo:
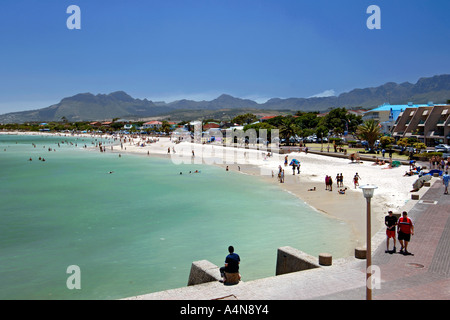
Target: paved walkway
425,274
421,276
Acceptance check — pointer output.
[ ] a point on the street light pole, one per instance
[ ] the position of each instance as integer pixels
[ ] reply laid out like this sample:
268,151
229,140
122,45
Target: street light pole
368,252
368,191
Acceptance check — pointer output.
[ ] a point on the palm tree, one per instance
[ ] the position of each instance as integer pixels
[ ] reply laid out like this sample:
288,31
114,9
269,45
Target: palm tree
287,130
369,131
165,127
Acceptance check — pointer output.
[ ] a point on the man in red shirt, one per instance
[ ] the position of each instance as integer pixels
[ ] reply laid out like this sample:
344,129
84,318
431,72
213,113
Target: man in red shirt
405,231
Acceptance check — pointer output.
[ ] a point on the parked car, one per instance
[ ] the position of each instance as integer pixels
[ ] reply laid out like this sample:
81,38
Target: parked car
442,148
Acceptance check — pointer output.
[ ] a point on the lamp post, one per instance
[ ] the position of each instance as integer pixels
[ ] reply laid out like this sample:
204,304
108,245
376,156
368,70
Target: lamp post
368,191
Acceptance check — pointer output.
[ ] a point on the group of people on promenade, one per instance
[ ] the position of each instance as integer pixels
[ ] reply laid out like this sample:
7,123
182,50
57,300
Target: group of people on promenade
405,229
439,163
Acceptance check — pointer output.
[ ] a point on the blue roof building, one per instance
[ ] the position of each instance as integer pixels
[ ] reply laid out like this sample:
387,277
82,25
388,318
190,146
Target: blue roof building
387,114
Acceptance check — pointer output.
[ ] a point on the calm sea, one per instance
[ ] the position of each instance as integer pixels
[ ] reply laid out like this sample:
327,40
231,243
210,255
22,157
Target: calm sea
138,229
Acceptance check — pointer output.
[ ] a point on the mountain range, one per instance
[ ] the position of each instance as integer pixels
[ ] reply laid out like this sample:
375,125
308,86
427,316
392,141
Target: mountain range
90,107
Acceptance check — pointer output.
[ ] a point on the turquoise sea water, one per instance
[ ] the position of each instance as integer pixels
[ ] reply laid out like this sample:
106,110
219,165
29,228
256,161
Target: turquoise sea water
138,229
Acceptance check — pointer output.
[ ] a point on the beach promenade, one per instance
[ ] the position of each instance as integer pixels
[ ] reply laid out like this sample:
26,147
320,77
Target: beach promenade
425,275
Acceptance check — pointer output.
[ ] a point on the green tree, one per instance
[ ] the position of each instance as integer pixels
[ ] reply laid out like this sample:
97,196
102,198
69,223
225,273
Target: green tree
258,126
403,142
276,121
369,131
306,120
335,120
245,119
165,127
420,146
385,141
322,132
339,120
288,129
306,132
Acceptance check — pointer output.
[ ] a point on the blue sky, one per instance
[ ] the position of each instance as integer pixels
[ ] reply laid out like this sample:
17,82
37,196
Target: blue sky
199,49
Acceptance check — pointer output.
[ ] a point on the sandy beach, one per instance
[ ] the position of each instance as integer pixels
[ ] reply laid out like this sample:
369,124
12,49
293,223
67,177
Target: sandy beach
393,190
392,193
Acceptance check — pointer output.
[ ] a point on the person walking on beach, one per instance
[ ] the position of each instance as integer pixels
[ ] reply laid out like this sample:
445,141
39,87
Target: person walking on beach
231,264
356,179
390,221
339,180
405,231
445,180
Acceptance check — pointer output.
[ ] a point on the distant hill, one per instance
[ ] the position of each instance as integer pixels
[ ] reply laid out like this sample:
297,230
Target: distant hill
89,107
86,107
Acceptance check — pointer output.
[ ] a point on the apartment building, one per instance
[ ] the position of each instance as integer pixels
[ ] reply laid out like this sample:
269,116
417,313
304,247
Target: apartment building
387,114
429,124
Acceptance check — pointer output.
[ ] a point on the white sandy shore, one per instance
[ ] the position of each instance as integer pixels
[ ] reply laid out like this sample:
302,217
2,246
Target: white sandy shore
393,190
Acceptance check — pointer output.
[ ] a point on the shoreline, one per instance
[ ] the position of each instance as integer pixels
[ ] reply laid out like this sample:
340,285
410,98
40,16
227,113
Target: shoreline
392,194
349,207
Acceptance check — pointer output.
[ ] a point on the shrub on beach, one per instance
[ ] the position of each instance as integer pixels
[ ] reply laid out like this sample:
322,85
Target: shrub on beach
429,155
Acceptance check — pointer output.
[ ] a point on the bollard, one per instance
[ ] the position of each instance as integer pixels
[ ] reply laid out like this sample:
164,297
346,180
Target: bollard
325,259
360,253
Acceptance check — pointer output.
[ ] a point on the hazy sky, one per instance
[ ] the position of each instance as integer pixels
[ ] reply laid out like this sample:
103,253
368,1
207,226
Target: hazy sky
199,49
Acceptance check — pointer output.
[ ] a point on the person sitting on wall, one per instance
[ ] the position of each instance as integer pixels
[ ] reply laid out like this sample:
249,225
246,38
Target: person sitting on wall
231,264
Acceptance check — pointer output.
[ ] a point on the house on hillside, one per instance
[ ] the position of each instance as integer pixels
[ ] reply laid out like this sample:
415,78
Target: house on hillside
152,125
358,112
129,126
172,124
265,118
211,125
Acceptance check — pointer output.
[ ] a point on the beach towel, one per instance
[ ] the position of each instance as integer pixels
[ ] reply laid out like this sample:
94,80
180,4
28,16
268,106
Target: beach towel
431,172
396,164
